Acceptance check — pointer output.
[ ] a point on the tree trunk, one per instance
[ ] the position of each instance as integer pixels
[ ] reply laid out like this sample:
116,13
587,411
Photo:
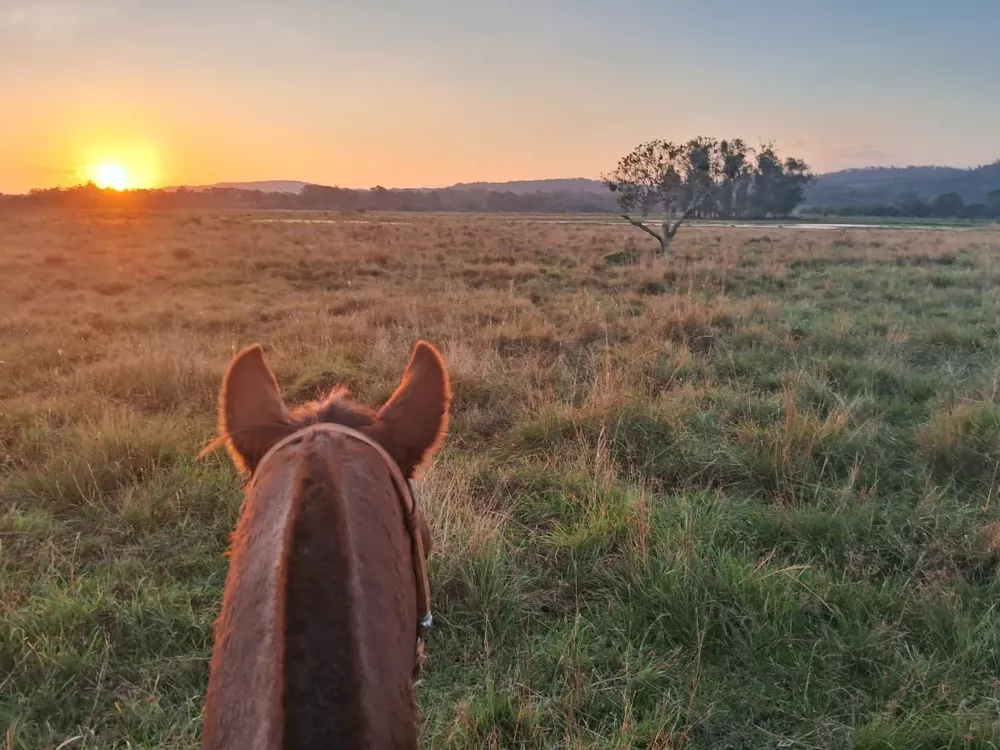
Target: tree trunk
666,238
665,244
661,238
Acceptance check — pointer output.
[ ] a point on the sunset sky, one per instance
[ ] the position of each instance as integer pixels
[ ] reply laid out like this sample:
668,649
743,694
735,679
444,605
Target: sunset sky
431,93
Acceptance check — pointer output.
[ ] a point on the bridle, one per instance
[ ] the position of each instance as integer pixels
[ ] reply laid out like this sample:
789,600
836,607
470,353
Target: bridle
404,491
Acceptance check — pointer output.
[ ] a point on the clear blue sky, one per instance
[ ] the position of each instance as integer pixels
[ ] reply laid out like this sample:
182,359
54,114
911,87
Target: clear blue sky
439,91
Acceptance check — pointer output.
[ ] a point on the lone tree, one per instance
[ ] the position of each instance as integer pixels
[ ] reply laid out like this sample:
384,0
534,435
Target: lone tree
707,178
680,178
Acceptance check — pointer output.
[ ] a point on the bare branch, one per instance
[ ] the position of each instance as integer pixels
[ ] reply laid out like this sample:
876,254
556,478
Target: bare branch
643,227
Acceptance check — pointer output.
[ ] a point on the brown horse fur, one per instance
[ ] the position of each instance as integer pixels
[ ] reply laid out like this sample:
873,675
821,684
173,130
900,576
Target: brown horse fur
316,640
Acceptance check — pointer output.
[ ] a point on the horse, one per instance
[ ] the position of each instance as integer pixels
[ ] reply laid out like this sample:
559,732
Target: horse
320,636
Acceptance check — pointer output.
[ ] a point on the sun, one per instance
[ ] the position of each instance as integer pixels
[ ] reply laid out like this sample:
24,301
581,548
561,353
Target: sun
110,175
118,164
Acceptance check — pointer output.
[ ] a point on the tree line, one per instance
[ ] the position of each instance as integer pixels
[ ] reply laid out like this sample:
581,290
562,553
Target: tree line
949,205
317,198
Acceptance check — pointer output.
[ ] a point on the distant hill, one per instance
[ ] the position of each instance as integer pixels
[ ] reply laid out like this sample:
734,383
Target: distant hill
868,185
847,188
855,192
265,186
518,187
885,185
525,187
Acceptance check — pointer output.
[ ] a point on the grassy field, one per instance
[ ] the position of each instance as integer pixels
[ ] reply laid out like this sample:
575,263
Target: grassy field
745,498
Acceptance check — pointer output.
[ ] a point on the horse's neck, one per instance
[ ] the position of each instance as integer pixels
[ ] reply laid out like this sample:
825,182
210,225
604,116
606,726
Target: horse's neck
330,622
350,606
243,702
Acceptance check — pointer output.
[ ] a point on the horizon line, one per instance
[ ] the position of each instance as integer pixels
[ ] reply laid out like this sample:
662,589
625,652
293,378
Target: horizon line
223,183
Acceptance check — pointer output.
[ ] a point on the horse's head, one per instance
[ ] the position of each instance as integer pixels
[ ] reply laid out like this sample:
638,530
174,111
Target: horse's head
311,640
410,426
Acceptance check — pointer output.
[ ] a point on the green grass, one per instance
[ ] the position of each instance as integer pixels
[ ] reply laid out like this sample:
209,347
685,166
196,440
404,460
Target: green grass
742,499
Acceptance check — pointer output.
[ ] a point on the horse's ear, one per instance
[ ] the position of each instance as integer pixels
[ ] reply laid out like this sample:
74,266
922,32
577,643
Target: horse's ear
252,414
413,422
